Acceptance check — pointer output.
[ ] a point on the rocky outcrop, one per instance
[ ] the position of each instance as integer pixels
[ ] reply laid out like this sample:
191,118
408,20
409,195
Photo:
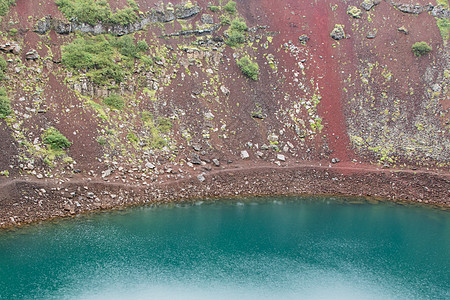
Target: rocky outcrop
10,48
32,55
437,11
368,4
181,11
207,30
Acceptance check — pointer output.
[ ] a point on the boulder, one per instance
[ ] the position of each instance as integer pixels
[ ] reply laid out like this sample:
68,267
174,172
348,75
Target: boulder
338,32
354,12
32,55
368,4
244,154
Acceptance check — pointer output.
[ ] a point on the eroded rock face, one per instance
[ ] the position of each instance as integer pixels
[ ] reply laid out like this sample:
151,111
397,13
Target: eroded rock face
32,55
10,48
181,11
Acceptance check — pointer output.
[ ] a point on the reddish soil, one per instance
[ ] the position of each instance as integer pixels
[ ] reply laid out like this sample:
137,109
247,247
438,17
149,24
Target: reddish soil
307,169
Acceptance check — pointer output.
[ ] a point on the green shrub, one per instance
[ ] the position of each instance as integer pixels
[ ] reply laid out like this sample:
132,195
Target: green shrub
146,116
214,8
94,55
142,46
238,25
249,68
444,28
235,38
5,5
164,124
94,11
5,104
230,7
421,48
236,33
114,101
55,139
225,20
3,66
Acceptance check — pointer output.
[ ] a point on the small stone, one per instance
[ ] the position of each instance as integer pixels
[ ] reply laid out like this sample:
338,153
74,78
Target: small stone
90,195
201,178
224,90
216,162
259,154
403,30
281,157
372,34
149,165
303,38
106,173
335,160
244,154
39,176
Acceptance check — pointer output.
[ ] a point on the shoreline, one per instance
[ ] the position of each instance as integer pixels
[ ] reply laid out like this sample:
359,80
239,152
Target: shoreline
27,201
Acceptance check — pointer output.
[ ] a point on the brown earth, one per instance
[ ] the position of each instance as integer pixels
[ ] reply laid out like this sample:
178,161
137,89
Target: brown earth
384,113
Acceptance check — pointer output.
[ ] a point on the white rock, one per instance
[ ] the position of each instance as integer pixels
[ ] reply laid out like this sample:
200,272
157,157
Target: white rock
244,154
281,157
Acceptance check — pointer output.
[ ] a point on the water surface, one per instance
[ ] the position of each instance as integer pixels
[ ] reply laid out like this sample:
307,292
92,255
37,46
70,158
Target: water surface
273,248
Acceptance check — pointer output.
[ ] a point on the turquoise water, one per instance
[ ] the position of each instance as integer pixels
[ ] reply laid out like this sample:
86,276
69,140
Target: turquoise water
273,248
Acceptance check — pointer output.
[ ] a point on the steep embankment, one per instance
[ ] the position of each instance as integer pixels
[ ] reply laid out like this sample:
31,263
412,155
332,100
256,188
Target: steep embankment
156,108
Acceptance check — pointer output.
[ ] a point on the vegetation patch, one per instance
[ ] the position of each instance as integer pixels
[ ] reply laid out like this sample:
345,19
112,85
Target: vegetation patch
5,5
114,101
5,104
103,58
55,139
236,33
95,11
230,7
249,68
3,66
421,48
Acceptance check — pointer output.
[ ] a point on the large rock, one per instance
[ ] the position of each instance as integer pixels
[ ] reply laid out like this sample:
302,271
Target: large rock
338,32
32,55
10,48
368,4
186,10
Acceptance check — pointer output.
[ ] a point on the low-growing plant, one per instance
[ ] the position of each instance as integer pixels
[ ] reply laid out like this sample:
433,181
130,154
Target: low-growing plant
249,68
5,104
13,32
114,101
164,124
421,48
5,5
55,139
236,33
3,66
214,8
230,7
95,11
101,140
